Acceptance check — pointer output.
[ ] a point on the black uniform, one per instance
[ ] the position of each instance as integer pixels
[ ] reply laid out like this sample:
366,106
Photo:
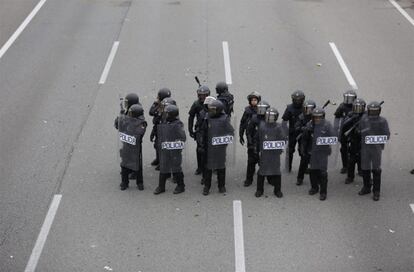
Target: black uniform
228,101
318,155
252,158
353,143
216,134
304,156
291,115
131,131
196,112
252,144
340,114
156,119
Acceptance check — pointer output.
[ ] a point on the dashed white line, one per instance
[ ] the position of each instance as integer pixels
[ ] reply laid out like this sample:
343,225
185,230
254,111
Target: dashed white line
238,236
226,56
402,11
108,64
20,29
342,63
44,231
412,207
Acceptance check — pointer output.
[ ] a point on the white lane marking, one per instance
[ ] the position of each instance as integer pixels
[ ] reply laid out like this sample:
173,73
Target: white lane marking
342,63
226,56
238,236
44,231
412,207
402,11
20,29
108,64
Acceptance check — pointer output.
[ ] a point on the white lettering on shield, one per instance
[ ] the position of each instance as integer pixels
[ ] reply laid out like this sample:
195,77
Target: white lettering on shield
376,139
172,145
127,138
272,145
326,140
222,140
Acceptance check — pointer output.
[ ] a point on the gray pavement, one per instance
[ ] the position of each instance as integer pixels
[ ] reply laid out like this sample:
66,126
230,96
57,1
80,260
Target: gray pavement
57,135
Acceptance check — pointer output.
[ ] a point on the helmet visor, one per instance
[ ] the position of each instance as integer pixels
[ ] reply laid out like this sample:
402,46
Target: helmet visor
261,109
349,98
358,108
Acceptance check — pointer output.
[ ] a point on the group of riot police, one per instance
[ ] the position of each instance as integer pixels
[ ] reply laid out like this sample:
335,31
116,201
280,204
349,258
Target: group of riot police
358,127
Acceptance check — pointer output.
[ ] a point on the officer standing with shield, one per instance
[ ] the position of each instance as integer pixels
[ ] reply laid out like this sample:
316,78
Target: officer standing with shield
374,135
318,136
156,119
249,112
291,115
341,112
131,129
271,142
352,137
171,136
195,112
216,135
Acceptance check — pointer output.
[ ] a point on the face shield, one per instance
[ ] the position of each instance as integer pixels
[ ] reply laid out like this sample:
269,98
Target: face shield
374,111
349,98
308,109
271,117
261,109
358,107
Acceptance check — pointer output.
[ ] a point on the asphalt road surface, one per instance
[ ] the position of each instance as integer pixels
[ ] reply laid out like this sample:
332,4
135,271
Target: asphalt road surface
59,151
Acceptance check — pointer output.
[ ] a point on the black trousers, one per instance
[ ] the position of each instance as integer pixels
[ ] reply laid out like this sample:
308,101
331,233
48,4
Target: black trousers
376,178
178,177
221,176
252,160
125,175
344,153
354,159
304,162
319,180
276,180
292,145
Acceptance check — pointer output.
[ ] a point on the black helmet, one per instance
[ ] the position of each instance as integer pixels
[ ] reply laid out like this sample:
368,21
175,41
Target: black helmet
136,111
349,97
222,87
254,95
318,115
171,112
163,93
215,108
374,108
271,115
204,90
298,97
358,106
262,107
130,99
165,102
308,107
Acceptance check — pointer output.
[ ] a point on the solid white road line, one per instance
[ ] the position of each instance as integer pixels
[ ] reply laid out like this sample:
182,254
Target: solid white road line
342,63
402,11
238,236
226,56
44,231
412,207
20,29
108,64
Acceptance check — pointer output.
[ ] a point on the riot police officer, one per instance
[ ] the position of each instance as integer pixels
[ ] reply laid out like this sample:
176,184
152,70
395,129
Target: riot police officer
303,119
171,137
317,137
216,134
251,110
291,115
271,142
352,138
129,100
374,135
131,129
251,133
195,112
225,97
156,119
341,112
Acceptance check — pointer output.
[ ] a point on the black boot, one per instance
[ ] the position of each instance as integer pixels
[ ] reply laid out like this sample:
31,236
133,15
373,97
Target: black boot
158,191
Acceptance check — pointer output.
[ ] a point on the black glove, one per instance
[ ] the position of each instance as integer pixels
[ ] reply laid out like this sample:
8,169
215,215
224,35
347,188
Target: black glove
152,136
241,140
192,134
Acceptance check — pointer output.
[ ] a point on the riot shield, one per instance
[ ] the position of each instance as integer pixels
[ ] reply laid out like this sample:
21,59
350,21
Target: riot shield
324,142
272,142
171,137
220,135
130,133
375,134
